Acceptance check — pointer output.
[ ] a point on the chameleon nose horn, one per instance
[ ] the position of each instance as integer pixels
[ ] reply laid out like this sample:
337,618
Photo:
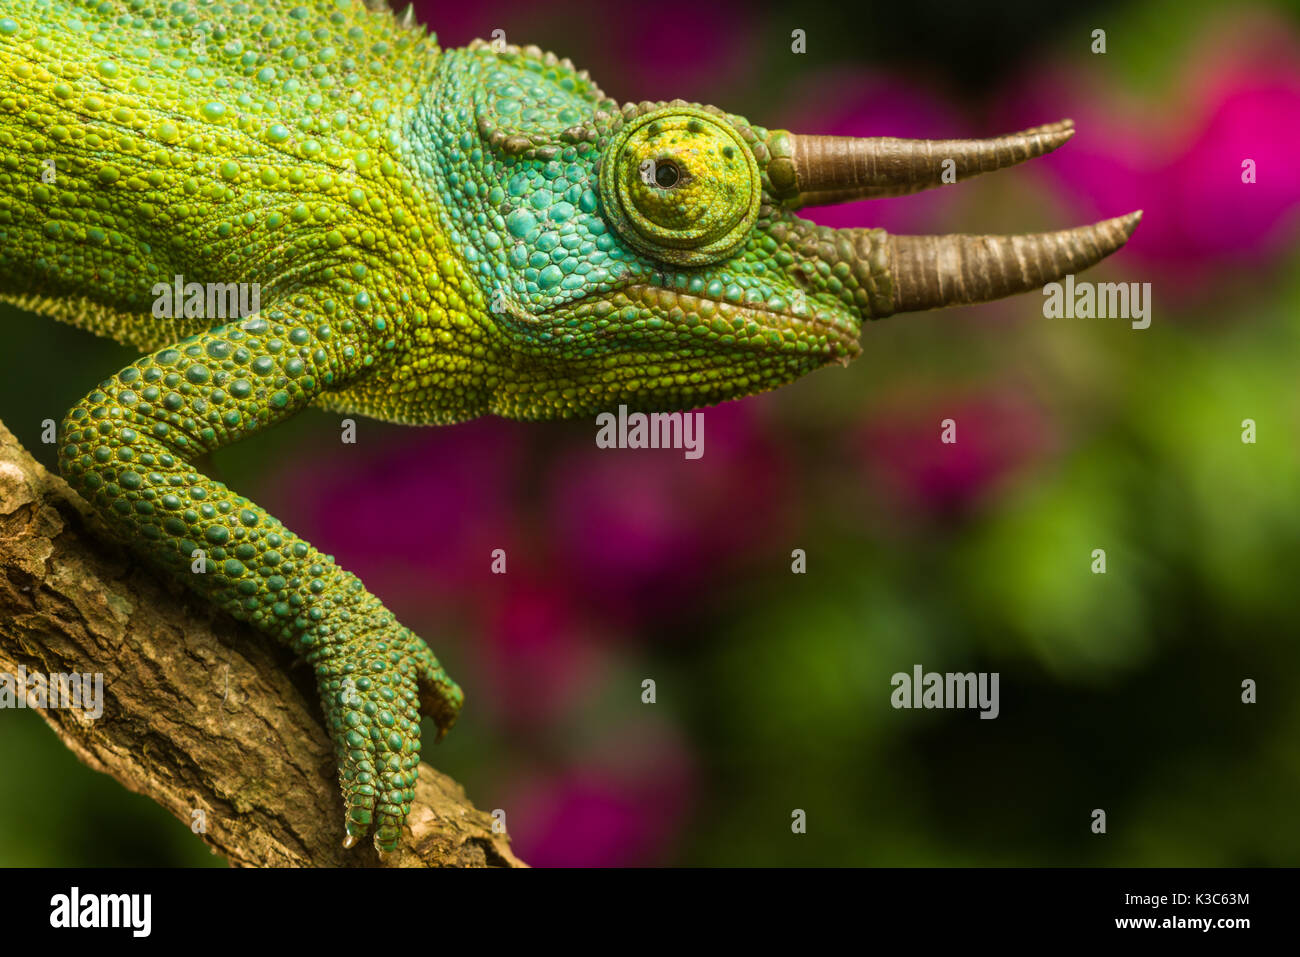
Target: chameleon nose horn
933,271
815,170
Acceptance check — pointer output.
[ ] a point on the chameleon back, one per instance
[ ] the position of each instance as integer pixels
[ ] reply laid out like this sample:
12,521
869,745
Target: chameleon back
221,143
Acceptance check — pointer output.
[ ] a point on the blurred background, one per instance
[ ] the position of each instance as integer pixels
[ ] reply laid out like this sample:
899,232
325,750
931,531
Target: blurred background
1119,691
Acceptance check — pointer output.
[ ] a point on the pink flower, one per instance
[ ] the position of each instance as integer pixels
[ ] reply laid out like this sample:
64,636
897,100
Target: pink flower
621,805
850,102
635,51
415,515
673,49
538,653
902,452
644,527
1179,156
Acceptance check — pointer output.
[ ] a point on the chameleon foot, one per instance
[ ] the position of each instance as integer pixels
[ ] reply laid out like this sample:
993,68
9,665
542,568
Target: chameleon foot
373,692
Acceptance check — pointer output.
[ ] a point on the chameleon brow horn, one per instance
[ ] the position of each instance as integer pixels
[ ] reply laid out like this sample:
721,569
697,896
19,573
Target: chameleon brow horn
932,271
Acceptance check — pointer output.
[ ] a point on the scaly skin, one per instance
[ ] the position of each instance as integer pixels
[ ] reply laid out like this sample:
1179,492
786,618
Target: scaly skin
437,235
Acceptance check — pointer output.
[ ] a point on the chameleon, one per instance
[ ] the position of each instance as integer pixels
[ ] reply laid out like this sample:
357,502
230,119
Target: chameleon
432,235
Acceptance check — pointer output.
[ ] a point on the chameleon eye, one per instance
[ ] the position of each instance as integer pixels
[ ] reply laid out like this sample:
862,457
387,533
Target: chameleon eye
667,174
680,185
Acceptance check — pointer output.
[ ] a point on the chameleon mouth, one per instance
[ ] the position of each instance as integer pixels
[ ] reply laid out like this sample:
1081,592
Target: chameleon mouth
750,326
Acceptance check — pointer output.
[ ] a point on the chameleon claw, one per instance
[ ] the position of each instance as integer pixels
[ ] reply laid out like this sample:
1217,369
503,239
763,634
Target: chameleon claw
349,842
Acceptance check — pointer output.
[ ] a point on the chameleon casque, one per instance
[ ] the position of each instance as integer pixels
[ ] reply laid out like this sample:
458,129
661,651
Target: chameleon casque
436,235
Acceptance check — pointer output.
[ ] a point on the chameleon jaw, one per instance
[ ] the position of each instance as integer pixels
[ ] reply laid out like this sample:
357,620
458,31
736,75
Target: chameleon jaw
752,327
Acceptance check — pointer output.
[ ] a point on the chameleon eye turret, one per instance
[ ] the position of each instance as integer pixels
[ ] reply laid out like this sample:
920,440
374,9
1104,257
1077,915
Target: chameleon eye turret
681,185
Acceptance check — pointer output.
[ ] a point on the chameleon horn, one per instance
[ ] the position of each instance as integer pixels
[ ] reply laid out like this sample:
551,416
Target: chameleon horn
932,271
815,170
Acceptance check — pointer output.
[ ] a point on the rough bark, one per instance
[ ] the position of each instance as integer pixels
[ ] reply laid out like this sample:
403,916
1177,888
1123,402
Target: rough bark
200,713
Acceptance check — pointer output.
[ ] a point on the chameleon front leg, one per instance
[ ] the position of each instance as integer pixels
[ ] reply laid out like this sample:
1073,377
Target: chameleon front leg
128,448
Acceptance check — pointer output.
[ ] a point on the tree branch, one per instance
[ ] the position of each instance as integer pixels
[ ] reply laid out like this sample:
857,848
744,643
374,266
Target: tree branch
199,712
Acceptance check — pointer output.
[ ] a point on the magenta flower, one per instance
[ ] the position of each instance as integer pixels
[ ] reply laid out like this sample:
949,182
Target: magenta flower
621,806
1180,158
859,103
672,49
902,453
644,527
636,51
456,23
539,654
449,488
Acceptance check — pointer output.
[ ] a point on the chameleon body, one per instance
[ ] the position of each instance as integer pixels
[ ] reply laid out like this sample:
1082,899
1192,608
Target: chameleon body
436,235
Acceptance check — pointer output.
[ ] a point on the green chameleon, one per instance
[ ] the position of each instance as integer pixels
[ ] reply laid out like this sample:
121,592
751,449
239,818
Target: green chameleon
432,235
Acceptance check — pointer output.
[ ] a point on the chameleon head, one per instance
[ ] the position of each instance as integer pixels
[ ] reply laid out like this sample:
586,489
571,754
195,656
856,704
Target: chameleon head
652,253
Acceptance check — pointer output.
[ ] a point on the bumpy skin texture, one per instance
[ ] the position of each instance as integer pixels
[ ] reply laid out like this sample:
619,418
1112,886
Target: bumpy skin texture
437,235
